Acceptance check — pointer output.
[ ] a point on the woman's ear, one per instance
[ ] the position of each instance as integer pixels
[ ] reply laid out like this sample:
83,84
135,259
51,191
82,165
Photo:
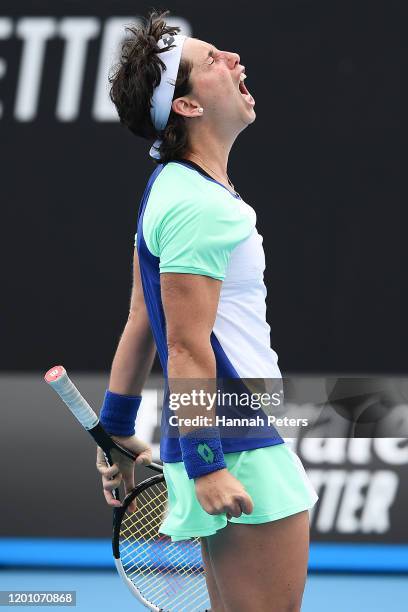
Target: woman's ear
186,107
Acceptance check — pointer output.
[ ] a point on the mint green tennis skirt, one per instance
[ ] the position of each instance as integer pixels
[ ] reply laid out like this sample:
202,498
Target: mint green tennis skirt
273,476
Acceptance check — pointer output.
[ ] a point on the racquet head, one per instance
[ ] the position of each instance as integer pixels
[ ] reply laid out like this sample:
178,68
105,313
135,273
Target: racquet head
165,576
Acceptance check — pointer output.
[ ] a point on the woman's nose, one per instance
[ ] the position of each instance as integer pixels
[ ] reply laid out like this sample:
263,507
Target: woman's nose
234,59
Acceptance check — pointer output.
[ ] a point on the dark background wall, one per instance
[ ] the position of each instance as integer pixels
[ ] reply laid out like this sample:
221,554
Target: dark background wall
323,166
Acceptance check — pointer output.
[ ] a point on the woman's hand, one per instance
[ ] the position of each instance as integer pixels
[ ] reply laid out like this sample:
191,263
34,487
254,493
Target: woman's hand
220,492
123,468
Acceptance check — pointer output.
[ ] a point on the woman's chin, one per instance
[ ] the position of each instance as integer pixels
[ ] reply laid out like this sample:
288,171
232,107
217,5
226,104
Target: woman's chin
251,116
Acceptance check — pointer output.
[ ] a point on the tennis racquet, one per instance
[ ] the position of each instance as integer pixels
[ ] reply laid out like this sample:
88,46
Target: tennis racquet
165,576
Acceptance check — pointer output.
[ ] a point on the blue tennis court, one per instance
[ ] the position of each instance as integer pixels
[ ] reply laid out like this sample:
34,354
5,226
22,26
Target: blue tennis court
100,590
343,577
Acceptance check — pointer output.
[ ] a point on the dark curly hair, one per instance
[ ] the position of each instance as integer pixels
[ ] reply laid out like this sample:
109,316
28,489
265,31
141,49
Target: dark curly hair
134,79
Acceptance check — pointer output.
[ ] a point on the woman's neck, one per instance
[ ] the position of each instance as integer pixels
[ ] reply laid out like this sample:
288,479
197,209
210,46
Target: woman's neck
211,152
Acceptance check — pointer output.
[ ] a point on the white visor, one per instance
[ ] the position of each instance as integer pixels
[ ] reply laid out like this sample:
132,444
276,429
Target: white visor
163,94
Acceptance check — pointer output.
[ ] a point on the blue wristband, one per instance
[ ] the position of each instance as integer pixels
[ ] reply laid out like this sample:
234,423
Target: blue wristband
118,413
202,452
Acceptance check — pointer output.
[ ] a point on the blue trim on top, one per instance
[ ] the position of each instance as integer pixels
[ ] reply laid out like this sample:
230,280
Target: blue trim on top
150,277
97,553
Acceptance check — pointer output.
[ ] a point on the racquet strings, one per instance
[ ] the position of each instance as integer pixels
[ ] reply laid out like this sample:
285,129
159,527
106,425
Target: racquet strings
169,575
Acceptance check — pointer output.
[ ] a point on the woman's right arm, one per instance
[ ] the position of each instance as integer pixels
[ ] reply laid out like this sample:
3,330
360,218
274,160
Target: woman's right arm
136,350
131,367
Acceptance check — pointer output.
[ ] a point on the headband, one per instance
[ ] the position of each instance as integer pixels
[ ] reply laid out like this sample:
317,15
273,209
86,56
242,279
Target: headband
164,92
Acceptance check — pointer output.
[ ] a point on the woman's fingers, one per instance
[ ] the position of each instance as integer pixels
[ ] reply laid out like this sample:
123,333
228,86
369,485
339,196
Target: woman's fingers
233,510
144,458
111,483
110,499
108,471
123,469
246,503
102,466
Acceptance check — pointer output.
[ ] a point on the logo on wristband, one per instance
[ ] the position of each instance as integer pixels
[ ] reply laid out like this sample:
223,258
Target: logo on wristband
205,453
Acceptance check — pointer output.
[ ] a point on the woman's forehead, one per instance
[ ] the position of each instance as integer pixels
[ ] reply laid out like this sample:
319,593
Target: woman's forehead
196,50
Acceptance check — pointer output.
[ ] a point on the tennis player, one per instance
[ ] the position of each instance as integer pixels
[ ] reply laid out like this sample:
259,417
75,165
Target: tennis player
199,298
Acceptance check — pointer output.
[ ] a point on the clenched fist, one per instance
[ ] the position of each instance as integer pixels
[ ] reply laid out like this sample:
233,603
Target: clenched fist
220,492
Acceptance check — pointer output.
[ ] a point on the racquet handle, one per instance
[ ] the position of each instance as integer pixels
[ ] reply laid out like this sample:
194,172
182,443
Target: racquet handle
59,380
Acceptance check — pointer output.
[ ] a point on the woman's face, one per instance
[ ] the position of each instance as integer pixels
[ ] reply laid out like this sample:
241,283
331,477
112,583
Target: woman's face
218,86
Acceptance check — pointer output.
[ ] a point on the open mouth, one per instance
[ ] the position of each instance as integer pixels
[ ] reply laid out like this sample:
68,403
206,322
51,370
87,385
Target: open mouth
243,90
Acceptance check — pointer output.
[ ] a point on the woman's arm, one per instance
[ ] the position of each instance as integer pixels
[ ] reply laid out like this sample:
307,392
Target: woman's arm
190,303
131,367
136,350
